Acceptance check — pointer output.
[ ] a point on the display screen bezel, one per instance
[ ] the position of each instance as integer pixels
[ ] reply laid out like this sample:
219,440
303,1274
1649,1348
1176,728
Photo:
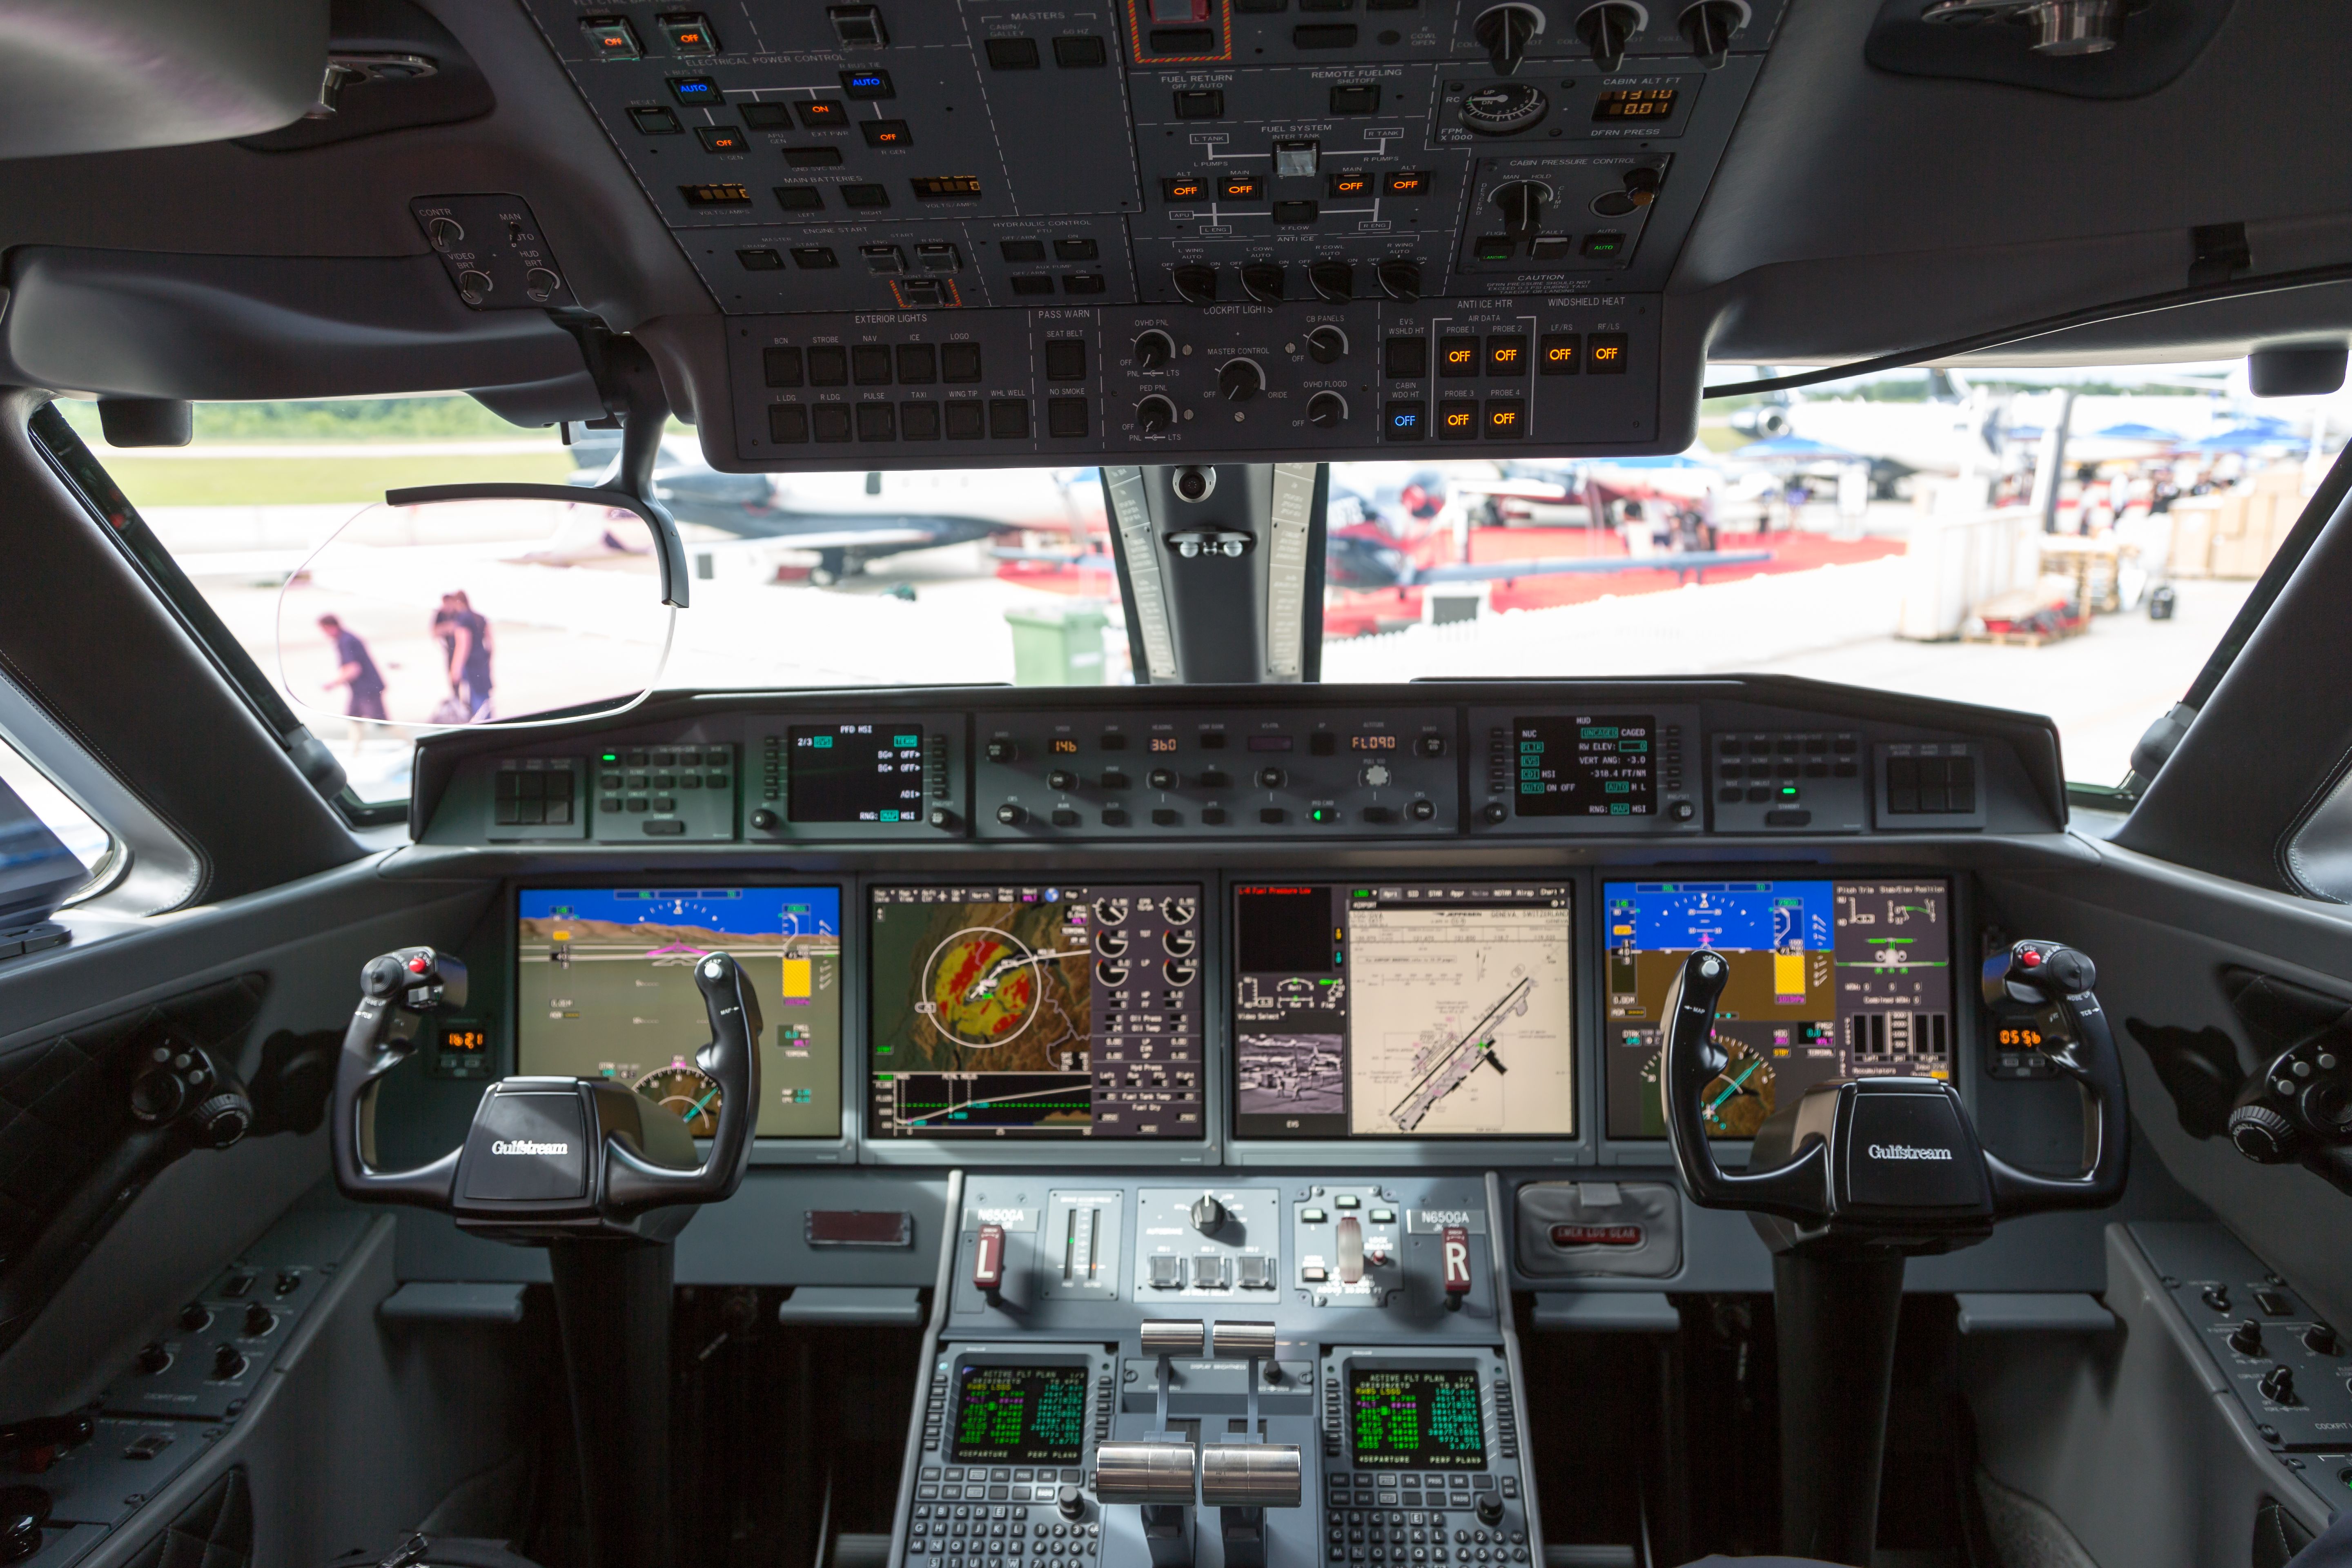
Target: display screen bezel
787,1148
1962,1019
1205,889
1569,885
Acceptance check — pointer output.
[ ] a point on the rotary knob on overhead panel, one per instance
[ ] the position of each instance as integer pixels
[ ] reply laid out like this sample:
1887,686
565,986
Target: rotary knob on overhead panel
1400,278
1327,345
1608,28
1521,202
1154,349
1264,281
1208,1214
1155,415
1327,411
1332,280
1505,108
1708,26
1239,380
1502,31
1197,283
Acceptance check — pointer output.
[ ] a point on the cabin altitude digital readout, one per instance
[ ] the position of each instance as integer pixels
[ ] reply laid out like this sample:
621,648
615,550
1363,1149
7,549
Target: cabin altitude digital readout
1588,764
1417,1419
1020,1415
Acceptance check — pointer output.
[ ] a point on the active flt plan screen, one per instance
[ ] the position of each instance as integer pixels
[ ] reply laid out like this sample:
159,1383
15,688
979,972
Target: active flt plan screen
1020,1416
1829,979
1415,1418
1403,1010
1039,1011
605,988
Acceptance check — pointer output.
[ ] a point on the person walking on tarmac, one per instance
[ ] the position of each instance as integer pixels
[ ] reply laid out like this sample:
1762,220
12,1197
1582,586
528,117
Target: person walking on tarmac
356,673
465,637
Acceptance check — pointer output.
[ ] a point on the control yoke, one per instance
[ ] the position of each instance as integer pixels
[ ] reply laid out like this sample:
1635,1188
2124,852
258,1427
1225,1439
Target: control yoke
548,1156
602,1177
1855,1177
1896,1161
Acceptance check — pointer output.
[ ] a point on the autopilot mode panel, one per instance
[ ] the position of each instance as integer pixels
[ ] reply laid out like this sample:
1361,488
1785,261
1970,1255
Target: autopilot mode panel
1844,978
1036,1011
1404,1009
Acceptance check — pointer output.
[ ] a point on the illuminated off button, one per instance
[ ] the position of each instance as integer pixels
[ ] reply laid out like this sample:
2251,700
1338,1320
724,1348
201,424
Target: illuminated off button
1457,420
1506,419
1604,353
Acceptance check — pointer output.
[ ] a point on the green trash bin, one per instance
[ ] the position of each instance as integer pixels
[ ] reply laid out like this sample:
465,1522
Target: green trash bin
1058,645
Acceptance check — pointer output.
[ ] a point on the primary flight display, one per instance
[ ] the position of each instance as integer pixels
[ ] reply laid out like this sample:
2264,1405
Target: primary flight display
1414,1010
1040,1011
1848,978
605,988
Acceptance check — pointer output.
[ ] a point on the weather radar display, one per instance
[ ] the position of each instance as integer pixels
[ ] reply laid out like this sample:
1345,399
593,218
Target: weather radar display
1829,980
605,988
1042,1011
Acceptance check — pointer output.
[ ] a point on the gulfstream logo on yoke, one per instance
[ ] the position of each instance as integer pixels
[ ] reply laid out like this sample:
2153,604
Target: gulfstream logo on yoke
528,1146
1906,1151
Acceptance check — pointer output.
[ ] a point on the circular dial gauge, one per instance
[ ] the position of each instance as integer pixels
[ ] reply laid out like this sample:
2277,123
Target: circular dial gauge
692,1093
1737,1099
1505,108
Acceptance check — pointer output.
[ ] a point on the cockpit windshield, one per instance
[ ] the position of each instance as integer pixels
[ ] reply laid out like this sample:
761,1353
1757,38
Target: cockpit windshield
2071,542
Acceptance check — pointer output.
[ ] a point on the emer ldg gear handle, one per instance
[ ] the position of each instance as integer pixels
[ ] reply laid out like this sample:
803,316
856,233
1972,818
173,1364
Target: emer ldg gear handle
546,1156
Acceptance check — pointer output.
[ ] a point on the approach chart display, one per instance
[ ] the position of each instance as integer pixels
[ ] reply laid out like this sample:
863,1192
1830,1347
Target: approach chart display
1829,979
605,988
1403,1011
1036,1011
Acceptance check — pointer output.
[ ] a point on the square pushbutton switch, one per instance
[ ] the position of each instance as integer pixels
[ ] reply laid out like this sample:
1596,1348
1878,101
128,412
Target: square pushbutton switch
1167,1273
1253,1272
1208,1273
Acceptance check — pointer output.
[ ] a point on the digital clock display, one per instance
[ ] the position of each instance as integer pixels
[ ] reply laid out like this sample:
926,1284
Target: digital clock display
1635,103
2019,1037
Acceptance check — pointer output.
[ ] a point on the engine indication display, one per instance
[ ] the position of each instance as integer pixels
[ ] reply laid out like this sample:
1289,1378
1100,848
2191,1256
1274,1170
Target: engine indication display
1420,1010
1420,1418
605,988
1039,1011
1587,766
1829,980
856,772
1020,1415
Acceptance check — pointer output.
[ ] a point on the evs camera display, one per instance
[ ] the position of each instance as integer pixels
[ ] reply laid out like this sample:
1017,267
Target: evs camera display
1050,1011
605,988
1403,1010
1844,978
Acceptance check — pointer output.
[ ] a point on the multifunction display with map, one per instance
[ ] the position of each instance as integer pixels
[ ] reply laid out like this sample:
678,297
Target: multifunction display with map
1020,1416
605,988
856,772
1587,766
1829,979
1040,1011
1411,1010
1417,1419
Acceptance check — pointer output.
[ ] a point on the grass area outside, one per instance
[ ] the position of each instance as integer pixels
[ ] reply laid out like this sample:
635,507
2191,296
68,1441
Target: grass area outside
453,418
1717,436
293,481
